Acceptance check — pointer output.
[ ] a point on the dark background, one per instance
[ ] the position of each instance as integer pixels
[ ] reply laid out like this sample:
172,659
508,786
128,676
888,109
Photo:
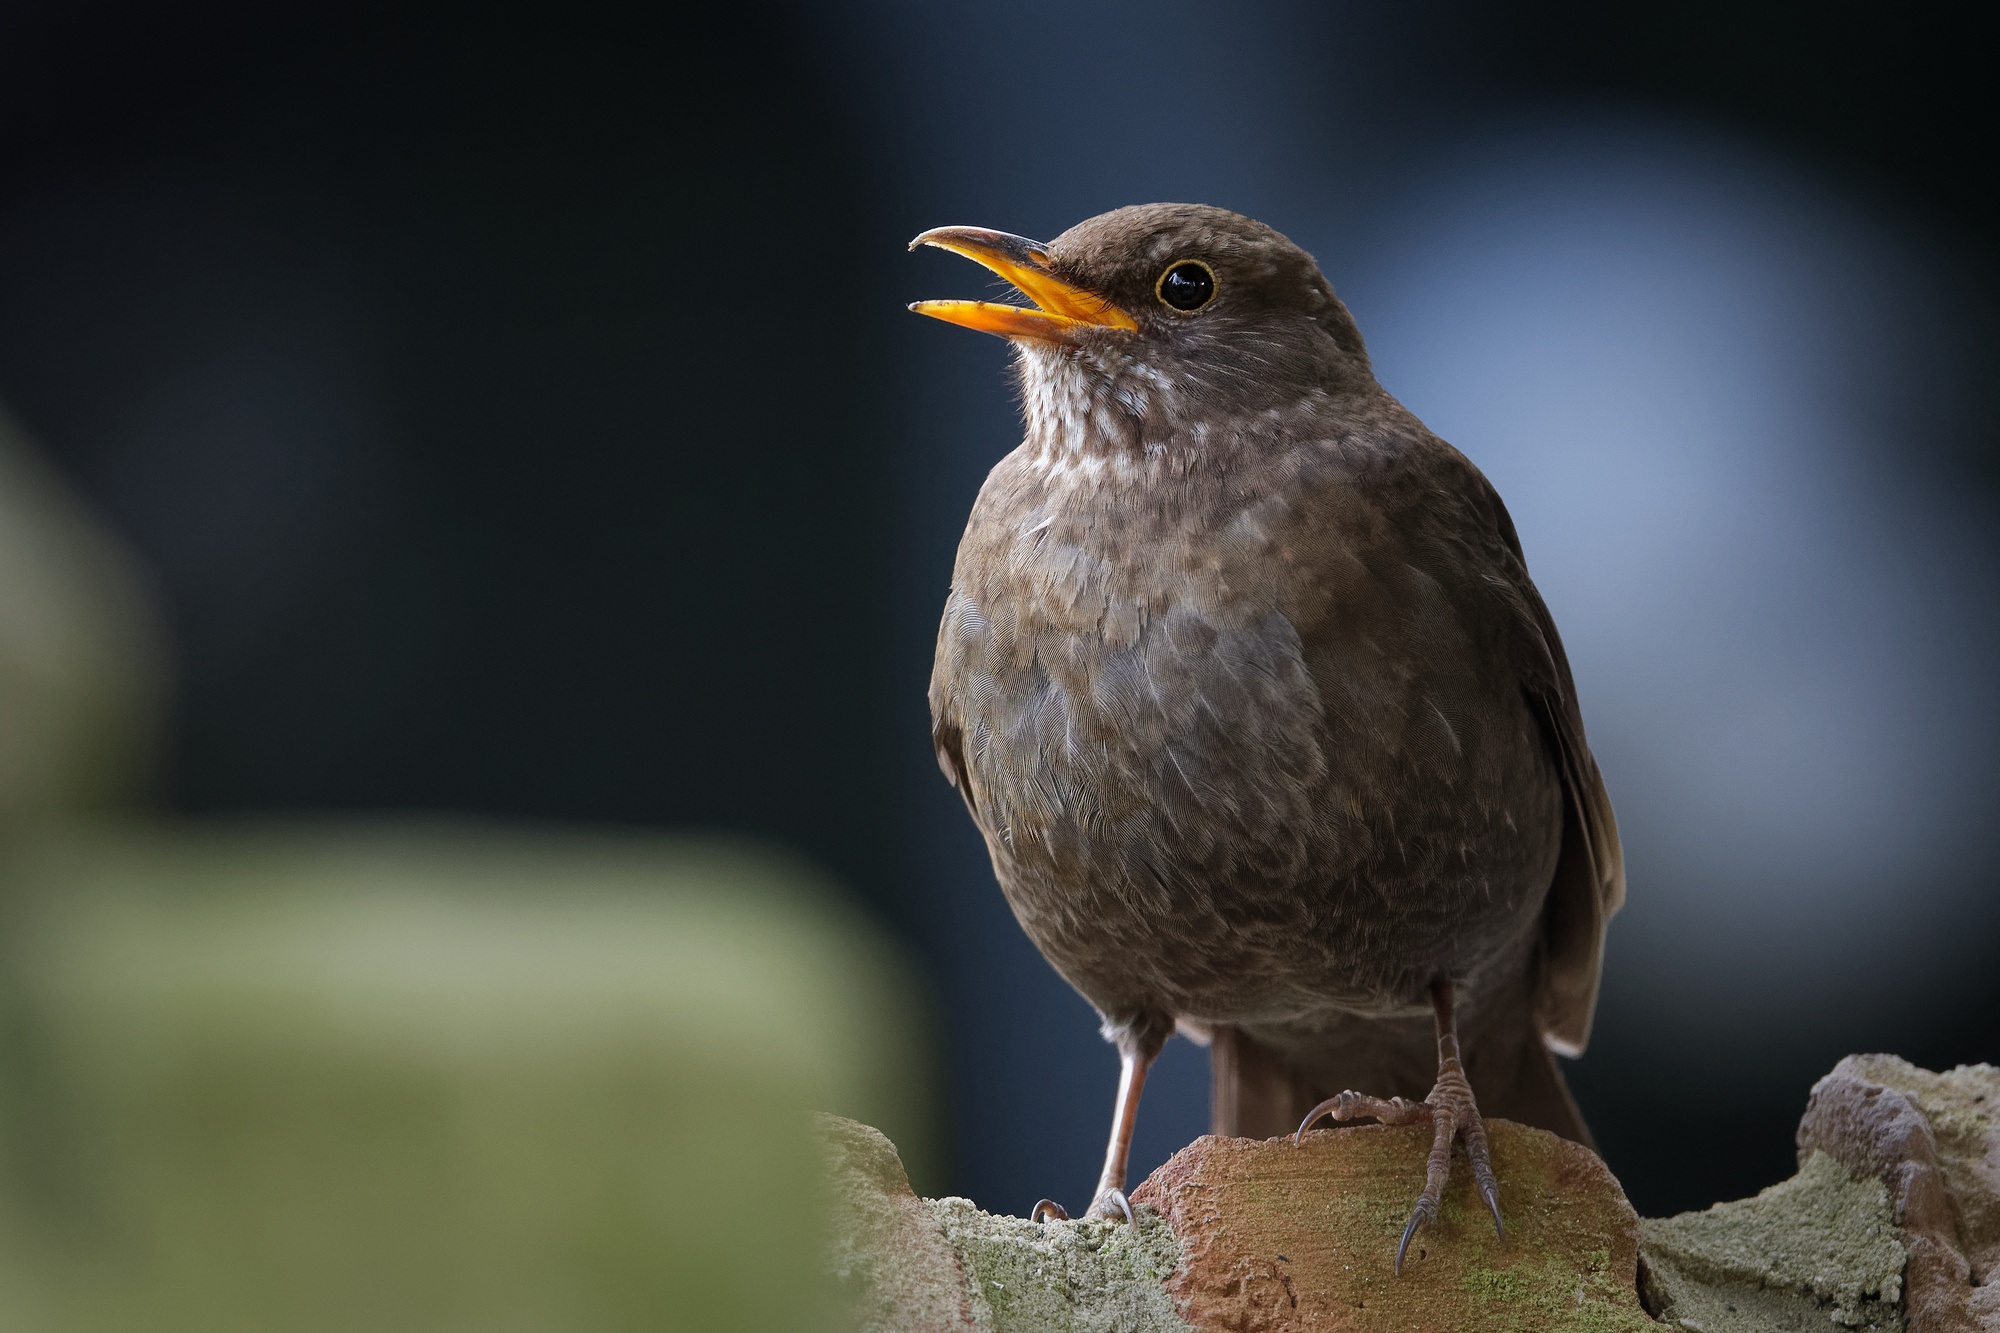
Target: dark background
516,416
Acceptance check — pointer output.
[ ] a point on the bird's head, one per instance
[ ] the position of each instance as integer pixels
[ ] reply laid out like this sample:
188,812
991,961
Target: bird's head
1169,314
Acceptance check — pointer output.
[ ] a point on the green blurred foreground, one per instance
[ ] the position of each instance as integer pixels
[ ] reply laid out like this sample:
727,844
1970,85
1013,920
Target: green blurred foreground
351,1077
266,1080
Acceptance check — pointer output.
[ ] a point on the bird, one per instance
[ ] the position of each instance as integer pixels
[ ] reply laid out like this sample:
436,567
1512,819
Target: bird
1269,735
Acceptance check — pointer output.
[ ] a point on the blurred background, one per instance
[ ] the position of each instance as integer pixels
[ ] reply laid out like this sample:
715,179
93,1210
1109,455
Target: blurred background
509,419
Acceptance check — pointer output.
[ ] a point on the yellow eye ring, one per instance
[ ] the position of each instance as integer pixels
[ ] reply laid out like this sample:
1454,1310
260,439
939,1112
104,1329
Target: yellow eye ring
1186,286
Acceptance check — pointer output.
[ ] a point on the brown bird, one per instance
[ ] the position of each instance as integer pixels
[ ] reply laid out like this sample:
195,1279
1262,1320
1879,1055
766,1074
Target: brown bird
1244,681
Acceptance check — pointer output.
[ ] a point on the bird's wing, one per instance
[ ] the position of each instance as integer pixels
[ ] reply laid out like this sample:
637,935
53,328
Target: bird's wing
947,724
948,739
1590,874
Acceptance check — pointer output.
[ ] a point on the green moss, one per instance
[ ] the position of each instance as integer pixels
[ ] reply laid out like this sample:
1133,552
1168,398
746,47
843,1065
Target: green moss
1508,1285
1064,1277
1820,1245
1531,1295
1381,1217
1545,1295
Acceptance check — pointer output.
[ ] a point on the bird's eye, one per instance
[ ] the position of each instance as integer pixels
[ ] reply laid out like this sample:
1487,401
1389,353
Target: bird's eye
1188,285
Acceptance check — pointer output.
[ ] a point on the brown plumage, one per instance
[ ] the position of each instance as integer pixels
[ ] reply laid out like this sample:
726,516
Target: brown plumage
1244,681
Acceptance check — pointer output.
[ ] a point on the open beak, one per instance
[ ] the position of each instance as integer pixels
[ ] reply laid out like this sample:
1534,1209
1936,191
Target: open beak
1063,308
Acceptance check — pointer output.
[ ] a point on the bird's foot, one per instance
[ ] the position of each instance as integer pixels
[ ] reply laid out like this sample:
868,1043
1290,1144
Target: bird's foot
1454,1114
1107,1205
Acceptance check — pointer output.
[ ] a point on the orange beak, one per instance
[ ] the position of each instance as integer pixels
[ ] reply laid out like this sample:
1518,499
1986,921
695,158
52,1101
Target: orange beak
1062,307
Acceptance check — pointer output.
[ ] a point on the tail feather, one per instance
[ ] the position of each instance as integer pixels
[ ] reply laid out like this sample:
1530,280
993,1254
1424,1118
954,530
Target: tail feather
1252,1093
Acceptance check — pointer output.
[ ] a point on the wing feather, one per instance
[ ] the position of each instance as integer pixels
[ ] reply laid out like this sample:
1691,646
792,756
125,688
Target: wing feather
1590,873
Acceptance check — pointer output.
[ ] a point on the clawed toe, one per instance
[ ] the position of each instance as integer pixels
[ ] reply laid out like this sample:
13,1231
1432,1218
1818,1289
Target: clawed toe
1451,1111
1110,1204
1456,1116
1359,1106
1422,1216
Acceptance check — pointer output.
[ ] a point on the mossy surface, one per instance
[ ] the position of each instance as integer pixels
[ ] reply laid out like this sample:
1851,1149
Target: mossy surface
1285,1237
1819,1246
1961,1105
868,1191
1555,1292
1064,1277
884,1249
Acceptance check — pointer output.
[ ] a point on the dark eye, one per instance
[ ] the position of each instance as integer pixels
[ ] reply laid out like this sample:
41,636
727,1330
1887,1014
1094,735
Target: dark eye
1188,285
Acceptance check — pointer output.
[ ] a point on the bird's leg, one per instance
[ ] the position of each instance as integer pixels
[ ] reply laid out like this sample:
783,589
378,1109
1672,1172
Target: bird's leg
1136,1053
1453,1114
1110,1196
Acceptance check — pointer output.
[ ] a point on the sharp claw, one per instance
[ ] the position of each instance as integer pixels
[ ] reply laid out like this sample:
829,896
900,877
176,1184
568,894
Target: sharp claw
1403,1248
1107,1206
1323,1108
1453,1114
1048,1210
